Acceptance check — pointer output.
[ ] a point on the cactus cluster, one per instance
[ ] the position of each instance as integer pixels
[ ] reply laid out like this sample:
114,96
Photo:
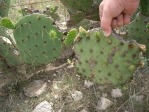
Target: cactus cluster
106,59
36,41
82,9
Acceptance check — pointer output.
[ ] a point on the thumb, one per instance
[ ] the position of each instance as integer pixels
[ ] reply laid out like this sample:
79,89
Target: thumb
106,23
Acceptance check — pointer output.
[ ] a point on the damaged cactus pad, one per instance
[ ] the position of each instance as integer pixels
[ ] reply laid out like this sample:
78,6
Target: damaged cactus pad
105,59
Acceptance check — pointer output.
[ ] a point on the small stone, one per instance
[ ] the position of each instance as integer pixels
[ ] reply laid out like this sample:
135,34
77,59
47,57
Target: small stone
64,23
2,93
126,111
88,84
49,81
5,80
116,93
55,86
104,95
77,95
102,87
104,103
78,76
35,88
43,107
59,71
70,66
56,96
84,110
138,98
54,75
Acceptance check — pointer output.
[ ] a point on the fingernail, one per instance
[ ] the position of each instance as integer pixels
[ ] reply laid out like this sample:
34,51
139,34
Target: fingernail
106,33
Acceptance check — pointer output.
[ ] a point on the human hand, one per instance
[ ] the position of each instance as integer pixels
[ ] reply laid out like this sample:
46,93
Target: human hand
116,13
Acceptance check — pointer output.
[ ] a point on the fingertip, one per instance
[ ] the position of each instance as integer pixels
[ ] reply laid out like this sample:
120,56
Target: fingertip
106,27
107,33
114,23
106,21
127,19
120,20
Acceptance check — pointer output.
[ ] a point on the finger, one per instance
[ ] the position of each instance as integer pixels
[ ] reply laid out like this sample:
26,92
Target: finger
127,19
114,23
106,22
120,20
101,10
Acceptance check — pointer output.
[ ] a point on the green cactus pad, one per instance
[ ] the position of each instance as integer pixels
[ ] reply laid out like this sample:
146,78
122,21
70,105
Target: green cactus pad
70,37
34,39
79,5
3,31
82,9
105,59
8,55
4,7
6,22
75,18
138,31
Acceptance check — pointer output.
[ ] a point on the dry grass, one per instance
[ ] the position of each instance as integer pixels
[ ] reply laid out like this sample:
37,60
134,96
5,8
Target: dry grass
63,83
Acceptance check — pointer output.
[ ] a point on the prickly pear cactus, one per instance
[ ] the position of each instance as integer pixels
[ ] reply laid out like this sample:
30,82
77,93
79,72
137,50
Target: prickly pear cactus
4,7
105,59
37,39
82,9
138,31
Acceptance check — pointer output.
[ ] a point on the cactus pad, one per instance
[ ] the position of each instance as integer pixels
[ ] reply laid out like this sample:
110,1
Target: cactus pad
105,59
4,7
8,55
70,37
52,12
6,22
37,39
81,5
138,31
82,9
